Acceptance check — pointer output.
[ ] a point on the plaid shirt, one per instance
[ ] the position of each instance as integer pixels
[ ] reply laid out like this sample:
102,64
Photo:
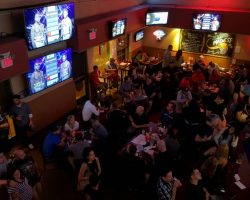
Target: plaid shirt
164,190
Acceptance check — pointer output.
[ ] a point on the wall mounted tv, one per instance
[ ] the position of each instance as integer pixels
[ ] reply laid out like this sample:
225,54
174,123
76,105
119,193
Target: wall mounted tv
48,25
117,28
139,35
156,18
49,70
207,21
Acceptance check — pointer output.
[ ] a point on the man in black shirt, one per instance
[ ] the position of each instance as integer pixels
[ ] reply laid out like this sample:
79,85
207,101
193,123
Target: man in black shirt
139,119
195,190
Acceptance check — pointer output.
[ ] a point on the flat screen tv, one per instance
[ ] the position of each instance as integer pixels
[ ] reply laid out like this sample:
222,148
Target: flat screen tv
118,27
156,18
139,35
48,25
49,70
207,21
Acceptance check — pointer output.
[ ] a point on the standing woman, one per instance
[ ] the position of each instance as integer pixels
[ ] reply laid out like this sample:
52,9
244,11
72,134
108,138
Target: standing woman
90,165
178,58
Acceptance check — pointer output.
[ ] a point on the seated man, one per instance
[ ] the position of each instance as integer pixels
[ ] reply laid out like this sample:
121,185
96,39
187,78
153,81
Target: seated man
184,96
126,86
89,111
94,78
99,131
167,185
138,119
52,141
168,115
104,101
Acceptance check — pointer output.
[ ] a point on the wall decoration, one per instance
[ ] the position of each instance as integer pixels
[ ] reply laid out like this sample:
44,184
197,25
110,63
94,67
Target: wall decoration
212,43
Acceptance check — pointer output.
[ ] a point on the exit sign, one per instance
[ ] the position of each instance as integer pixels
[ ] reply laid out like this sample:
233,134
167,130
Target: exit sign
92,35
6,62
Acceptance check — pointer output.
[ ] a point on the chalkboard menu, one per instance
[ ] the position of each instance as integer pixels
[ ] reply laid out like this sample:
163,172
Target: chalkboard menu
221,44
192,40
214,43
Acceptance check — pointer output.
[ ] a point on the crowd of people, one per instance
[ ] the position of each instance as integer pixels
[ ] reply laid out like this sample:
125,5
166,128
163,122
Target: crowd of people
198,115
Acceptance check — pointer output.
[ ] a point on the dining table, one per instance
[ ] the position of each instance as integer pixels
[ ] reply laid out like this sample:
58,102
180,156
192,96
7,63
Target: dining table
124,68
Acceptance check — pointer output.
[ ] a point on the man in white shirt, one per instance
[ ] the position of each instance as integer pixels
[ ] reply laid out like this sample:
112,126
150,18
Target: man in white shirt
88,110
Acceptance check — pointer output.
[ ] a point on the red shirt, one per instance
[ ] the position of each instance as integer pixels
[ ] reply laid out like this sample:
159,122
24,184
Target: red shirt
185,83
197,77
94,77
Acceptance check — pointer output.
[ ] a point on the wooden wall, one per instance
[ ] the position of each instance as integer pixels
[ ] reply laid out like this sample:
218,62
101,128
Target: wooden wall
17,48
51,104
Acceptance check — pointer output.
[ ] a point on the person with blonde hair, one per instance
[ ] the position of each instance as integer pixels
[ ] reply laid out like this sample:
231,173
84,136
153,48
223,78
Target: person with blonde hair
71,124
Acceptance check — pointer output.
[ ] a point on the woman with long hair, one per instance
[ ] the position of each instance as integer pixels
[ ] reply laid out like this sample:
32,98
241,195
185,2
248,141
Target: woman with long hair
90,165
18,187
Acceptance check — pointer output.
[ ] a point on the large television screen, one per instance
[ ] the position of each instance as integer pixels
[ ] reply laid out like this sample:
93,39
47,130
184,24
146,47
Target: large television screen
156,18
48,25
207,21
139,35
49,70
118,27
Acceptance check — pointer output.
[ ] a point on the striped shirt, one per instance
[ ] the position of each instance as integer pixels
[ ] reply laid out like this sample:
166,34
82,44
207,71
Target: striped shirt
23,189
164,190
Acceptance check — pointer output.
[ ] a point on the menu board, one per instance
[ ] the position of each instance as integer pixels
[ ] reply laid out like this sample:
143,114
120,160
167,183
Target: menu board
213,43
221,44
191,41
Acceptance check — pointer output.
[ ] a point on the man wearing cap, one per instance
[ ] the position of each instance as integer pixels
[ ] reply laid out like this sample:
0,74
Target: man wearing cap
23,120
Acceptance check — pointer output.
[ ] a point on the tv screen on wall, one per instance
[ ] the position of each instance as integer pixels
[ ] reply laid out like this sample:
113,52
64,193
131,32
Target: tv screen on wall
139,35
156,18
49,70
118,27
49,25
207,21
